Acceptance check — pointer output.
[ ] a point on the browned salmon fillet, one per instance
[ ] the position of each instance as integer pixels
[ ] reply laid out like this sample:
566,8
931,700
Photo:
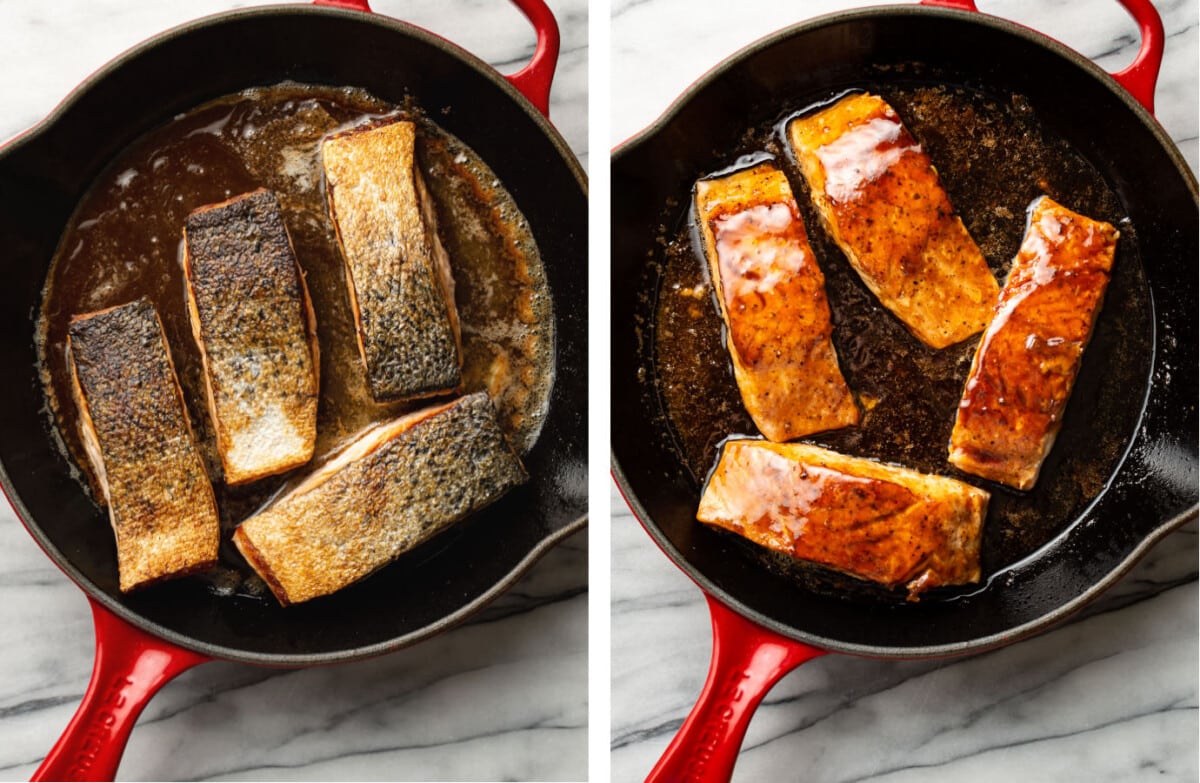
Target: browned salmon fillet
1026,362
139,442
876,522
397,272
772,298
254,324
397,485
880,198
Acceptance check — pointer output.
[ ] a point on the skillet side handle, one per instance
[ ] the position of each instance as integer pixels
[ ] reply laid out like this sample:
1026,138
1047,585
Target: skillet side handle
534,80
353,5
962,5
130,667
747,661
1141,76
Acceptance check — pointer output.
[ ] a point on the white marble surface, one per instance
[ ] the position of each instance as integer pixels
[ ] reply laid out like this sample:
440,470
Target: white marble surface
501,698
1112,696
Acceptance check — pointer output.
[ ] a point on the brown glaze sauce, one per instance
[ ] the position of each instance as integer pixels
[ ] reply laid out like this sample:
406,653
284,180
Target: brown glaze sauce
994,159
124,242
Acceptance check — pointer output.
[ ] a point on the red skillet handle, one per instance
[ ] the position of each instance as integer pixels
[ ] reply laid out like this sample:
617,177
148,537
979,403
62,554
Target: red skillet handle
1141,76
746,662
130,667
533,81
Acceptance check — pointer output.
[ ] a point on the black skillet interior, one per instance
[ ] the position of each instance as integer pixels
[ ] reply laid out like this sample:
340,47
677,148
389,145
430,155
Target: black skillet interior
1152,489
43,176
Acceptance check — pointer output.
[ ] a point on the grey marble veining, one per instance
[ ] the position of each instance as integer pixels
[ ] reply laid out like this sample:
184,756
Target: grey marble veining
1109,696
503,697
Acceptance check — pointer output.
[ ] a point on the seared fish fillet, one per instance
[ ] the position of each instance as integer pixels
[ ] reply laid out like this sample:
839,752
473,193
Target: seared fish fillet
396,486
772,298
254,324
1025,365
880,198
397,271
139,442
868,520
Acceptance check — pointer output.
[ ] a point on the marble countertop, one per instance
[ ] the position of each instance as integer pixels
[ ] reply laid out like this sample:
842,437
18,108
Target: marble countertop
503,697
1109,696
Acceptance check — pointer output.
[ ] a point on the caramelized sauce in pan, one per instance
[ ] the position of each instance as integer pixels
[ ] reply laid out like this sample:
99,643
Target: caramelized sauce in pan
993,158
124,242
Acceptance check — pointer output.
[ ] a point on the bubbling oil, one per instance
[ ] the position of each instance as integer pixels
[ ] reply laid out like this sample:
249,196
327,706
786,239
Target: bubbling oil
124,241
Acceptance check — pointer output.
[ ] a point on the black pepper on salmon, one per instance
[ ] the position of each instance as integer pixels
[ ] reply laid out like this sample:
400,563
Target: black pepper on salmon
394,487
253,323
771,294
397,272
883,204
140,445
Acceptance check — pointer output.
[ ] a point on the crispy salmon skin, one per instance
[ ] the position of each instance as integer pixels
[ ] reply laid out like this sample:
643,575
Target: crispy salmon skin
139,443
876,522
771,295
397,271
1026,362
253,322
394,487
879,196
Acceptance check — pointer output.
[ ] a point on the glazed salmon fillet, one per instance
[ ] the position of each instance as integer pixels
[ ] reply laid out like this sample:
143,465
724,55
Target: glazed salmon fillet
1026,362
397,271
139,445
880,198
875,522
253,322
394,487
771,295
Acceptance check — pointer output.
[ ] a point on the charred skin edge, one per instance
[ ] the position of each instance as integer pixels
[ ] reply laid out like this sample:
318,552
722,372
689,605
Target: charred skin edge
189,570
382,396
310,328
96,474
254,557
194,321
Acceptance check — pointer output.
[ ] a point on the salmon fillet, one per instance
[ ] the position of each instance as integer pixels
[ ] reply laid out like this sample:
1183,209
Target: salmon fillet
1025,365
771,294
253,322
139,443
880,198
397,272
876,522
397,485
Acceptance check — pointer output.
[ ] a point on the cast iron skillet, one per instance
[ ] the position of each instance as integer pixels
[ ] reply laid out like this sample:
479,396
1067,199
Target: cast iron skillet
765,623
145,639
